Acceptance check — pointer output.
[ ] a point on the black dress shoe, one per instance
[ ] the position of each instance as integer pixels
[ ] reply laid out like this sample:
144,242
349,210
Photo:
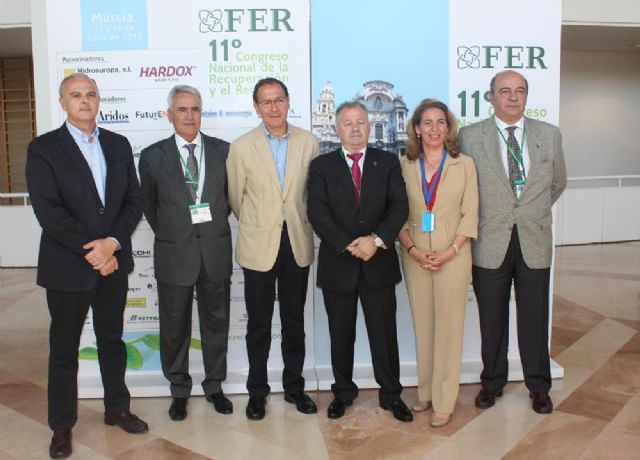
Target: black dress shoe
541,403
302,401
399,409
220,402
60,444
338,407
178,409
127,421
487,398
255,407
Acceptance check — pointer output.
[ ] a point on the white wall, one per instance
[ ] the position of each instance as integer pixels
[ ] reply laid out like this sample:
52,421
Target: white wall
15,13
19,236
601,12
599,115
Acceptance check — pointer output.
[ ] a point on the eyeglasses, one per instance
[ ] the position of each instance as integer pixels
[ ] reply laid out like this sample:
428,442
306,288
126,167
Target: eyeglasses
185,110
267,103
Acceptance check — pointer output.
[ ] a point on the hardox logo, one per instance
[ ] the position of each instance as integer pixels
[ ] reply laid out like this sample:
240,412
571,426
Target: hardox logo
167,71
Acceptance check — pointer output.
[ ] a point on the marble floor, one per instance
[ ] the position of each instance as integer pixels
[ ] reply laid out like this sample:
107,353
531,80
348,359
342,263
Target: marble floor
596,338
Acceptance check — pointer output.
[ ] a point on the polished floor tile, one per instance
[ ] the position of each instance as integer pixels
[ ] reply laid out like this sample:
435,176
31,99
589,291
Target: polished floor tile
595,337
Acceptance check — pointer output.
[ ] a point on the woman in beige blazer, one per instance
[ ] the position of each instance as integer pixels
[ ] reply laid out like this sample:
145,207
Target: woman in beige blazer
436,258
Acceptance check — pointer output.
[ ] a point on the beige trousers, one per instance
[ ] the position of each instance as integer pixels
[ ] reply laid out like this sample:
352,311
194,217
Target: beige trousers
438,301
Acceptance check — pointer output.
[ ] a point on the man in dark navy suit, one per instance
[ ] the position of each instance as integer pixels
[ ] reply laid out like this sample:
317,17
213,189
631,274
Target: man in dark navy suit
85,194
357,205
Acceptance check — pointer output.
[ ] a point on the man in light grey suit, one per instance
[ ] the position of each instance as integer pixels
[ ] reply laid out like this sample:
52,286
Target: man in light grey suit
184,186
521,173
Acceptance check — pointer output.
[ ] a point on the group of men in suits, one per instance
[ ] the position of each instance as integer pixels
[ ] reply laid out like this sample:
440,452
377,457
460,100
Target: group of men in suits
86,196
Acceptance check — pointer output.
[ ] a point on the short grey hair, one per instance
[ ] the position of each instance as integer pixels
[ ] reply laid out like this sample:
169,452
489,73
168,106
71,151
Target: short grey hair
73,76
351,105
183,89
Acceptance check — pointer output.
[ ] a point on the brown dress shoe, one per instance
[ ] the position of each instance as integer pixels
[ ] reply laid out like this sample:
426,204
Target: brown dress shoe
541,403
60,444
487,398
127,421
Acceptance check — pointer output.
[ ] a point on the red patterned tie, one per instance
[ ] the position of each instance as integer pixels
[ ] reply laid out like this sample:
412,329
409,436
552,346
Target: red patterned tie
355,173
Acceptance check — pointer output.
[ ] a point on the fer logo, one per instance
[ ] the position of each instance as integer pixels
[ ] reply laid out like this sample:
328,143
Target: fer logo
250,20
497,56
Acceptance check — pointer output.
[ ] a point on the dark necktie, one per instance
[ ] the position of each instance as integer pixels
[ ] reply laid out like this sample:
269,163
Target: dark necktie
192,166
515,174
356,173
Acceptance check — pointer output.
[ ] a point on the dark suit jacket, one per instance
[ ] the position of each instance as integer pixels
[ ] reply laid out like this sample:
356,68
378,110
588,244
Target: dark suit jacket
67,205
180,246
337,219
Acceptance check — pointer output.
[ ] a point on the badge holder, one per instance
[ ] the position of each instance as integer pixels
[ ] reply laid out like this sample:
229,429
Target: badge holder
428,221
200,213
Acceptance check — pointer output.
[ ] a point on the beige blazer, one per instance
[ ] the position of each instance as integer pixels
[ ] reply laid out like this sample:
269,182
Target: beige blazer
455,208
499,211
259,204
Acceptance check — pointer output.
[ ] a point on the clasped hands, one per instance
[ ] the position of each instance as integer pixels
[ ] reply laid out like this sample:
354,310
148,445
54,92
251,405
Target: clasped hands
100,255
363,247
432,260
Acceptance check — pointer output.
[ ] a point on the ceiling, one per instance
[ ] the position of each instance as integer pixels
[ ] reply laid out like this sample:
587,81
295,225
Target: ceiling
17,41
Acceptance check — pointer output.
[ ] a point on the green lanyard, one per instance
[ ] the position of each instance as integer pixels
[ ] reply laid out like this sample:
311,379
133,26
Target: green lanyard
194,184
518,159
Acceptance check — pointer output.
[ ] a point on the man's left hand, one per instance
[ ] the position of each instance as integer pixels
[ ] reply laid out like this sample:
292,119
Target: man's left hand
363,247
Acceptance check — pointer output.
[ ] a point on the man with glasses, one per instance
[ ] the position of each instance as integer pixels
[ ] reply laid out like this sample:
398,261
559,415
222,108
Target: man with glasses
267,171
184,187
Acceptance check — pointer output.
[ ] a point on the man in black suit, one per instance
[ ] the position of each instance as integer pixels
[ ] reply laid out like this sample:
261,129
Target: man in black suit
85,194
357,205
184,189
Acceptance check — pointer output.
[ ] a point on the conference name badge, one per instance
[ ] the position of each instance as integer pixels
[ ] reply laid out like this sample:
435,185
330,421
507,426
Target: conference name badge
428,221
200,213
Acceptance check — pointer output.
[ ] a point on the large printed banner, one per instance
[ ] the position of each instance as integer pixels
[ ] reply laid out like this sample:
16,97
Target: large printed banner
390,57
137,50
327,52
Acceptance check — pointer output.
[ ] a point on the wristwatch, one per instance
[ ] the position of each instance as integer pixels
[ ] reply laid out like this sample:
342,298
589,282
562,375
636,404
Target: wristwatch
378,241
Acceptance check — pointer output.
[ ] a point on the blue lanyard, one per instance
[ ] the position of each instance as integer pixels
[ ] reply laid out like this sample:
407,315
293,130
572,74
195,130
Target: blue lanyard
427,191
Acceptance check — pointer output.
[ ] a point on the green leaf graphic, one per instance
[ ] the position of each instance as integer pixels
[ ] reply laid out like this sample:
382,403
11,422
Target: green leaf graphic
152,341
88,353
197,344
134,357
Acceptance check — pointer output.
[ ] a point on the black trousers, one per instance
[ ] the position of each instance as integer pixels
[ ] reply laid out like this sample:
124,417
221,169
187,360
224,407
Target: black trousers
493,288
260,294
379,308
68,314
175,307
